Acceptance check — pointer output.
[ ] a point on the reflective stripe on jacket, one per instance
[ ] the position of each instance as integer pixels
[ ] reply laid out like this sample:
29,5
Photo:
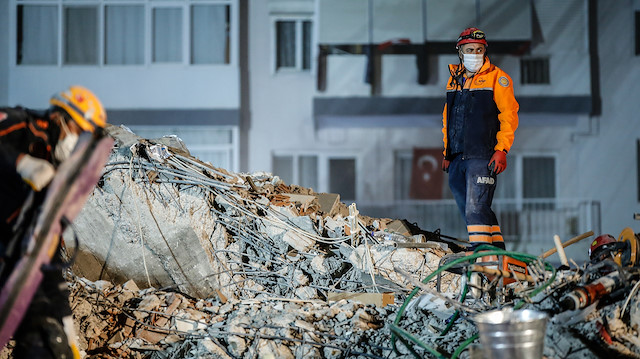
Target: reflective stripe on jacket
492,116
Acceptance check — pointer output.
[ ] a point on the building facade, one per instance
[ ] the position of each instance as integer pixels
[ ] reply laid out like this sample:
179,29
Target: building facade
347,96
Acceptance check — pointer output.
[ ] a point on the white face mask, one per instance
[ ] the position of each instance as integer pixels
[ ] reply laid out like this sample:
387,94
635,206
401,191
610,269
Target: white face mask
66,145
473,62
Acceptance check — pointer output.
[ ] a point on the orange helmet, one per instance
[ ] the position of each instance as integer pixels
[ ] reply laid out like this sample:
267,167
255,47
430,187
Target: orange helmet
600,245
471,35
83,107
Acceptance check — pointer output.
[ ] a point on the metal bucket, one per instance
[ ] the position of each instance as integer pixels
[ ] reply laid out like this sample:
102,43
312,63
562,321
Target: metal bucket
509,334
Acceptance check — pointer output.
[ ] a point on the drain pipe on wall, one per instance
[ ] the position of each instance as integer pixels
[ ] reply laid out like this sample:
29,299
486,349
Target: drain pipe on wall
594,71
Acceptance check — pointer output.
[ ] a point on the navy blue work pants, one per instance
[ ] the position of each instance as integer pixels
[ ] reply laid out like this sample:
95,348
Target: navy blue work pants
473,186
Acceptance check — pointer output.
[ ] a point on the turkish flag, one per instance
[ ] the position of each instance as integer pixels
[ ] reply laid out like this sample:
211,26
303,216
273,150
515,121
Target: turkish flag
426,174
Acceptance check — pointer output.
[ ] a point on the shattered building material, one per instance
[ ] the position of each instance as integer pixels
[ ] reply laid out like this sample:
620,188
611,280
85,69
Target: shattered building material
201,230
181,259
377,299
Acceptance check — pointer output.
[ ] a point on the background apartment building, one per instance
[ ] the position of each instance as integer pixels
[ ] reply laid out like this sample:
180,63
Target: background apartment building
346,96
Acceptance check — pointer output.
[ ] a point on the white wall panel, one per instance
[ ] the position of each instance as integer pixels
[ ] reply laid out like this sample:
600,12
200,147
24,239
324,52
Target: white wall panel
400,78
446,19
397,19
505,20
345,76
158,87
343,22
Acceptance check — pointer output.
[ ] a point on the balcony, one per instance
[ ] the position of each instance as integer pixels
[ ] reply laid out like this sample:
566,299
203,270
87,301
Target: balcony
527,225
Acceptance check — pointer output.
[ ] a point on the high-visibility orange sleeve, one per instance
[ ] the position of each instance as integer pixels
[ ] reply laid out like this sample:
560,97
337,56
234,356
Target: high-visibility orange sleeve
508,111
444,129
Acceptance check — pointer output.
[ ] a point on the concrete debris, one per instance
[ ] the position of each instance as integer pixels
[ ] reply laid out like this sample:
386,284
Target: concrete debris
179,259
115,321
171,221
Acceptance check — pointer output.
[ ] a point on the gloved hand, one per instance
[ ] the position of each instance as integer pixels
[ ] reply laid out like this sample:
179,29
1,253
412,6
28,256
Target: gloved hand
445,165
498,162
36,172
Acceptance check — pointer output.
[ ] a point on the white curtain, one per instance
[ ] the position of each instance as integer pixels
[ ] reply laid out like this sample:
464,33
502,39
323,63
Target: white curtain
38,45
167,34
124,35
286,43
308,171
306,45
81,35
209,34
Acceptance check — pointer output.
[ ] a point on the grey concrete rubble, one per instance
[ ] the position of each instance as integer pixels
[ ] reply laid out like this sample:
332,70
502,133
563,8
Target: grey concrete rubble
179,259
175,222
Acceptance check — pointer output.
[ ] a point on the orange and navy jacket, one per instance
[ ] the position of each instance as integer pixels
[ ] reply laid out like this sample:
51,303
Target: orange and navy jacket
492,116
22,131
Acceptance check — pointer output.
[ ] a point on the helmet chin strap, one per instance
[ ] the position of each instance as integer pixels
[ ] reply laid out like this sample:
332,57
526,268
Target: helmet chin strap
63,125
455,76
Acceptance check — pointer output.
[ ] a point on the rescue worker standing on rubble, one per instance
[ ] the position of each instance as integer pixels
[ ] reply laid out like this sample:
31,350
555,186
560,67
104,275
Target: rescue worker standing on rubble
479,120
32,145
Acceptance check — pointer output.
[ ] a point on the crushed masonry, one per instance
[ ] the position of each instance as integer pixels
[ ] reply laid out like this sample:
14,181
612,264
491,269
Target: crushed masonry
179,259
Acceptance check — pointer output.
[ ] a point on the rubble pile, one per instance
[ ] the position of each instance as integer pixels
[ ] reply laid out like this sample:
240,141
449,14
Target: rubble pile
178,259
169,220
161,220
125,322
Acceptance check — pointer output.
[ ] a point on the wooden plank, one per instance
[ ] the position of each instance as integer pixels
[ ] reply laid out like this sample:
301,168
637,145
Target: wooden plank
328,203
378,299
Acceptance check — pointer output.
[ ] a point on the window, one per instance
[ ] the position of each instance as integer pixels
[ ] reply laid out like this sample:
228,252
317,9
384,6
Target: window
114,32
526,177
402,181
297,169
342,177
538,177
124,35
217,145
80,35
418,175
637,33
167,34
37,27
534,71
293,44
321,172
210,34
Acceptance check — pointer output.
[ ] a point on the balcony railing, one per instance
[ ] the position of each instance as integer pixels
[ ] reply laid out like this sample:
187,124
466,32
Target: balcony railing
527,225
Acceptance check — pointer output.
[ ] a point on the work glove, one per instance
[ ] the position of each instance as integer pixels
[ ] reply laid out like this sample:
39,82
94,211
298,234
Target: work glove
498,162
36,172
445,165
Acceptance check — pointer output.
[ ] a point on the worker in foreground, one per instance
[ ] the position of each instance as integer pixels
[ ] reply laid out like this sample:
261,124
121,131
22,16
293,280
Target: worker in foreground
479,120
32,146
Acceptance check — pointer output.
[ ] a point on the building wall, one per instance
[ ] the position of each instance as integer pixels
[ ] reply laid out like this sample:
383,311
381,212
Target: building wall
281,114
595,153
149,86
197,102
605,159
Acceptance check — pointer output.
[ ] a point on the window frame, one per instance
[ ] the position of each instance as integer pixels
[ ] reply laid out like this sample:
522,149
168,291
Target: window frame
637,32
148,6
299,42
515,161
323,159
231,150
524,80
